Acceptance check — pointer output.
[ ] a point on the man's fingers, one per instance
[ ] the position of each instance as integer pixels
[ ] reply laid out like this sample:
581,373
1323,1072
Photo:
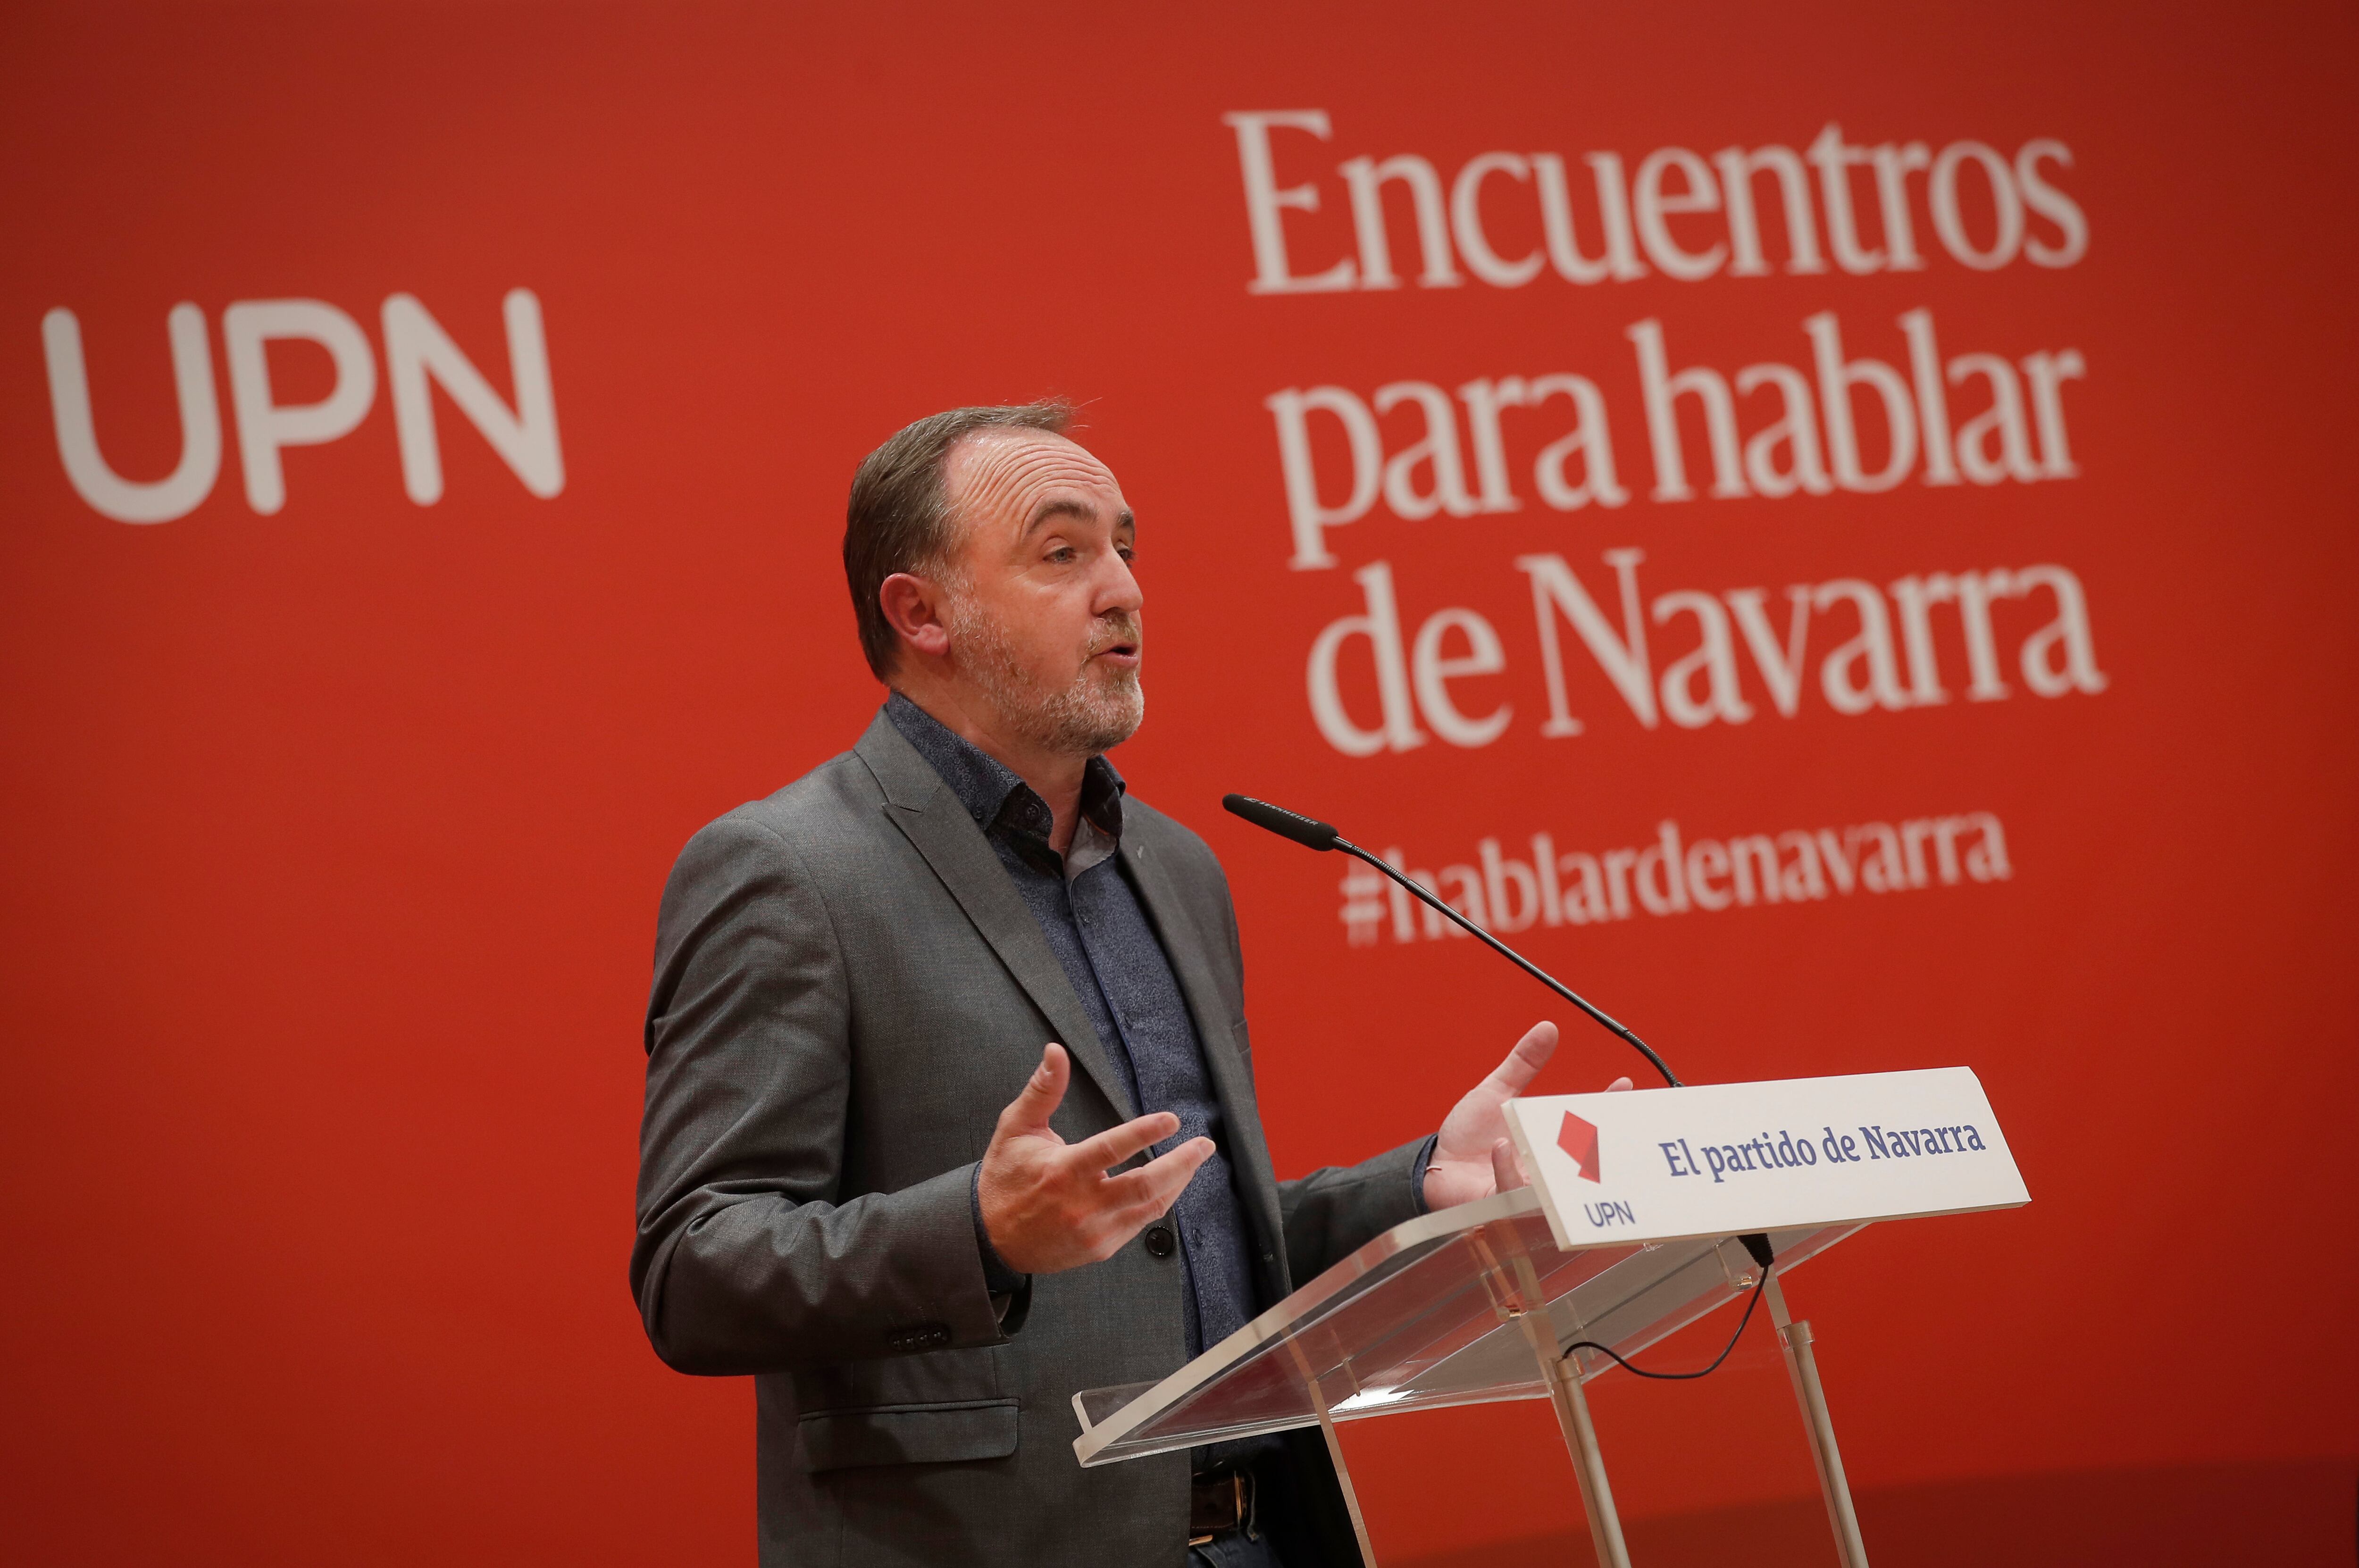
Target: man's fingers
1507,1171
1041,1093
1114,1145
1530,1055
1618,1085
1149,1190
1161,1180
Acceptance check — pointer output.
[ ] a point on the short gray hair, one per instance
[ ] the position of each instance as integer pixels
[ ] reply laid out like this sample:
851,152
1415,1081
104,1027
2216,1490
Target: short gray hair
900,515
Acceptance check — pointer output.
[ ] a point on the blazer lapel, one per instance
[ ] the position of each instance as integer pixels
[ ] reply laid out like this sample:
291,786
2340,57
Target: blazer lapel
917,803
1186,947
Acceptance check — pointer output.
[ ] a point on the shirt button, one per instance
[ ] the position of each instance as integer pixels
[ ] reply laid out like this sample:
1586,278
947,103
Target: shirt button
1158,1241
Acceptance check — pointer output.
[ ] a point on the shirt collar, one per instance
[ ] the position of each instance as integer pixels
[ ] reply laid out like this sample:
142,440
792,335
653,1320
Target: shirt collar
992,792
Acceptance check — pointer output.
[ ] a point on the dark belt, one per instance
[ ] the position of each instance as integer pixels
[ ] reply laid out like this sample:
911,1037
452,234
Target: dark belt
1219,1503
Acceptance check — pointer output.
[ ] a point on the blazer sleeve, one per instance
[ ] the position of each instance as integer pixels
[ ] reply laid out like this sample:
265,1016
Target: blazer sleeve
748,1257
1335,1211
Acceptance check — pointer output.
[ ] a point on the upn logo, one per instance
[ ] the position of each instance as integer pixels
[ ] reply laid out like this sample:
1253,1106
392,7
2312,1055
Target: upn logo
418,356
1579,1139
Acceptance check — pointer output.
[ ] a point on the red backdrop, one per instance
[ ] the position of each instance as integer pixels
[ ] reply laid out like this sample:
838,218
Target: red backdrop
335,831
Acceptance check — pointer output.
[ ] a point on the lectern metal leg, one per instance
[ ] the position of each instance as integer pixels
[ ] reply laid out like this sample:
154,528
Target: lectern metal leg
1342,1471
1803,1368
1563,1376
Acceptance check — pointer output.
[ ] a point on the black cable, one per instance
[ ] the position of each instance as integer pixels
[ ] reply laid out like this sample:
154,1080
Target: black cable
1751,1302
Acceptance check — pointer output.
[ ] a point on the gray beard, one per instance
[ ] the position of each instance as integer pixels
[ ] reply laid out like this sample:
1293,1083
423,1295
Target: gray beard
1083,719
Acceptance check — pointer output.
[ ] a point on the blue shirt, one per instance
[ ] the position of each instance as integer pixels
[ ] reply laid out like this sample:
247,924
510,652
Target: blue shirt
1106,941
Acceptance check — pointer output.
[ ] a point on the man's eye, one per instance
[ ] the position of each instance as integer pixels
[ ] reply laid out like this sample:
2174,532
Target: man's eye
1126,552
1062,554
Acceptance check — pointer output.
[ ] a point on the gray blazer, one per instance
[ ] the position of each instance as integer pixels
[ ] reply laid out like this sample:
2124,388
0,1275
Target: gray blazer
848,990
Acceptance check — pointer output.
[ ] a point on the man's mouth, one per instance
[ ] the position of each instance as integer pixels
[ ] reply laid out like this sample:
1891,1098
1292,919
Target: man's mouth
1120,650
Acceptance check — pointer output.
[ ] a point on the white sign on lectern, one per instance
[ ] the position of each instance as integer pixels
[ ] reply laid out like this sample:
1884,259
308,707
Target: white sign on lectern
1726,1158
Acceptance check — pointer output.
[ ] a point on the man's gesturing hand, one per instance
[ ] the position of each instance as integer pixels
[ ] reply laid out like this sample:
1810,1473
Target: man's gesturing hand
1049,1204
1473,1158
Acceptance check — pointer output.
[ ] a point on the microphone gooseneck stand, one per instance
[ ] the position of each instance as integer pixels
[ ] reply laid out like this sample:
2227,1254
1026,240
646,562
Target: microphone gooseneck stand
1315,834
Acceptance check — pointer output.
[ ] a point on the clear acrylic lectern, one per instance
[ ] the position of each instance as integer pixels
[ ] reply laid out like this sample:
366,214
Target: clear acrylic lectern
1470,1306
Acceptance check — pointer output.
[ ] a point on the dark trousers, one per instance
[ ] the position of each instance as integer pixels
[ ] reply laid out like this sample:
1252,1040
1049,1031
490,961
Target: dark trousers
1235,1550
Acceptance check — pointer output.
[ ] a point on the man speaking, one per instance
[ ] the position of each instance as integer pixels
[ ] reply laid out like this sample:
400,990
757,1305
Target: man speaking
950,1106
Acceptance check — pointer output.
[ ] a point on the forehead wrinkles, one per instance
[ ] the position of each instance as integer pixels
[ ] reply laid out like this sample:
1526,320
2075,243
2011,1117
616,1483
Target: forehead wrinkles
995,480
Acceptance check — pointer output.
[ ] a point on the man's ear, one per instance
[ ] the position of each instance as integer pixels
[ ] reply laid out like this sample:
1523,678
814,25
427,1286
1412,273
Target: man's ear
912,607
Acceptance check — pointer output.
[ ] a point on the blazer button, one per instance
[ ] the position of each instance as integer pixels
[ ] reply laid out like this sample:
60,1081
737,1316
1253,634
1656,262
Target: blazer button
1160,1242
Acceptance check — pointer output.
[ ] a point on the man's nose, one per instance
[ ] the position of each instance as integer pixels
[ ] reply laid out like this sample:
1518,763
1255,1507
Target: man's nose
1118,589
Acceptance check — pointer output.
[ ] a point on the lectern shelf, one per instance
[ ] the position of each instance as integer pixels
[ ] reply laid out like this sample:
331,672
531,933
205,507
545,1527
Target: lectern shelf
1423,1317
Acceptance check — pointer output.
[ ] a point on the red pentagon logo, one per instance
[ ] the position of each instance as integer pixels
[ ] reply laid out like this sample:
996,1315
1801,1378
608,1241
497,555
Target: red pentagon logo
1579,1139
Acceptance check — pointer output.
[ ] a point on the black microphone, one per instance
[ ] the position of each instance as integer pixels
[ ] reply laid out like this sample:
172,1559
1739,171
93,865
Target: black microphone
1316,835
1284,823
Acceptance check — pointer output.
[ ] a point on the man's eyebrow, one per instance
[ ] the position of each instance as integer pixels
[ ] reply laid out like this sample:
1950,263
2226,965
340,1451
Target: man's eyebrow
1065,506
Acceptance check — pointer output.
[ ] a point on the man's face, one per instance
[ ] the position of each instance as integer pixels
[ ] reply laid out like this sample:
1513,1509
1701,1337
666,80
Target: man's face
1043,612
